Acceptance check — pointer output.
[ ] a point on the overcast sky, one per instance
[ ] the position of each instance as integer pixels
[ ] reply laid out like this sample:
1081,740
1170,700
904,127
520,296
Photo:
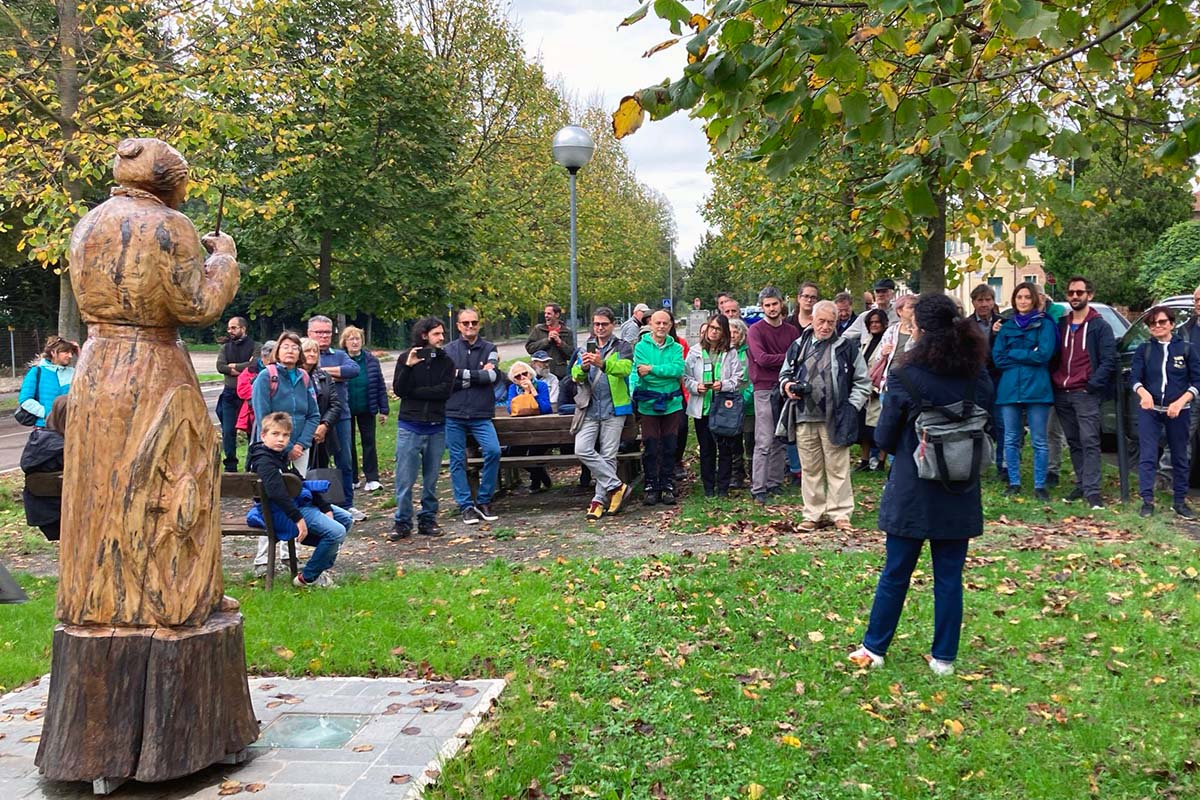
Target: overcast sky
578,40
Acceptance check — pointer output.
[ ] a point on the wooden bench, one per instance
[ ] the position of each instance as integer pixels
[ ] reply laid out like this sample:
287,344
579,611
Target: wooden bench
233,484
553,431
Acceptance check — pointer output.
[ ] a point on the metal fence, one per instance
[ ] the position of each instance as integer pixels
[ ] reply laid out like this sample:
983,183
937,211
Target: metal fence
19,347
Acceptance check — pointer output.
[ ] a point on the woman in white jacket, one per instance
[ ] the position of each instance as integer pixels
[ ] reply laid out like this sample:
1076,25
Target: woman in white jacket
713,366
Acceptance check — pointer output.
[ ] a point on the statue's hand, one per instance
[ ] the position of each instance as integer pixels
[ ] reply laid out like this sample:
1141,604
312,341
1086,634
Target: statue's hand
221,243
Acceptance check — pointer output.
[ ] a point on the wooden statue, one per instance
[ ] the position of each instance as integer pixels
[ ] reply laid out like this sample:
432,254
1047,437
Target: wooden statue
148,672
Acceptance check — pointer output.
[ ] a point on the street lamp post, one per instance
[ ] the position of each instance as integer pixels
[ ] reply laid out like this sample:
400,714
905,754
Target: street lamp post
573,148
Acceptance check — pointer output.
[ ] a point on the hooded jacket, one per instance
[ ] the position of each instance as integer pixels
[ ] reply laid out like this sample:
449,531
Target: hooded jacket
1023,357
292,396
666,368
618,366
42,384
43,452
1096,337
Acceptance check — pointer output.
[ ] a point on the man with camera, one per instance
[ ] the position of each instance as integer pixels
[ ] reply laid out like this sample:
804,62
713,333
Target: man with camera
826,384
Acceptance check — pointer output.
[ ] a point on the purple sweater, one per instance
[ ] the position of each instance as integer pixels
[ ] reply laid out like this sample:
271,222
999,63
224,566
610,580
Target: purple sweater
767,347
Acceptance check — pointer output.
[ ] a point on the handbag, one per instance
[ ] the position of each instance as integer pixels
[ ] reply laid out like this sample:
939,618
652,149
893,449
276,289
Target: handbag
725,414
524,405
334,494
28,418
879,372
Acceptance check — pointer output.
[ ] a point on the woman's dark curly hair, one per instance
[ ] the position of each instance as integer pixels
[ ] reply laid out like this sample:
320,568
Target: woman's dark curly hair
874,313
949,343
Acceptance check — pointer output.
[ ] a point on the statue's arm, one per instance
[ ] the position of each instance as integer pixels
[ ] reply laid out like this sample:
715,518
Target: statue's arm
203,273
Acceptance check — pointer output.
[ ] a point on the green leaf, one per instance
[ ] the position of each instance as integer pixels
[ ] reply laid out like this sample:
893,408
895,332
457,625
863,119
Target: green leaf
895,220
918,199
942,98
636,16
736,31
1070,23
908,166
674,12
856,108
1173,19
1100,61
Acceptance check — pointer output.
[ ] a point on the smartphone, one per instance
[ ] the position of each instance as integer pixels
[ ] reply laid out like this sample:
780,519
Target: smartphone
591,347
426,353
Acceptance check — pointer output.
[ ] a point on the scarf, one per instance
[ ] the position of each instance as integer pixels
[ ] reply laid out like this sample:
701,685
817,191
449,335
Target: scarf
1023,320
876,338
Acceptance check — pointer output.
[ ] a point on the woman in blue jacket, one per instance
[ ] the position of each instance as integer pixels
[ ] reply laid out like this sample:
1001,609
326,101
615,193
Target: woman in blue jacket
947,365
522,381
1022,353
48,378
368,396
283,385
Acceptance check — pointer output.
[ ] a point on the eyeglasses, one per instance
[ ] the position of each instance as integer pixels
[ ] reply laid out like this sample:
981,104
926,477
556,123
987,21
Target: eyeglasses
602,324
469,323
1076,292
810,297
1158,323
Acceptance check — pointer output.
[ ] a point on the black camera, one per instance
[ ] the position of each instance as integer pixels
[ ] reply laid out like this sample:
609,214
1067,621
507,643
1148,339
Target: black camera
801,389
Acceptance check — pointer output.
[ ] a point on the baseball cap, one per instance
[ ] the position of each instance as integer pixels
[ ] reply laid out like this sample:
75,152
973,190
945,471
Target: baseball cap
641,307
885,283
540,355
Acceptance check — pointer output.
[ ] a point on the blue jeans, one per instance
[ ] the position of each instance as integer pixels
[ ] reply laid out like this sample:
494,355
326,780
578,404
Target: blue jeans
793,459
949,555
325,535
344,457
413,451
1038,415
484,434
229,405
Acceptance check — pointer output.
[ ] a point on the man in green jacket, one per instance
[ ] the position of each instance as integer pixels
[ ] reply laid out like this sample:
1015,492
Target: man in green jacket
604,366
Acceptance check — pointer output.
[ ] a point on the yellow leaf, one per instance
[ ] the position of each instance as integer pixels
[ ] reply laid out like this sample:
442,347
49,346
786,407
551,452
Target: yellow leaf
912,47
953,727
882,69
865,33
698,55
660,47
628,117
855,214
698,22
284,653
1144,67
833,103
789,740
816,636
889,96
755,791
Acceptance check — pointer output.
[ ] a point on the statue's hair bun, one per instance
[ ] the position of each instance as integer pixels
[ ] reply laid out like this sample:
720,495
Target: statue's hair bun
129,148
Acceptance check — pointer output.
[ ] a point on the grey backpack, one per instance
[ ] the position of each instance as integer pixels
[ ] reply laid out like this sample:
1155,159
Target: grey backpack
952,440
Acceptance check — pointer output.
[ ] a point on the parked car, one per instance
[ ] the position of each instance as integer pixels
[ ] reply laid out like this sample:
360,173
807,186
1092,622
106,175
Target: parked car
1115,319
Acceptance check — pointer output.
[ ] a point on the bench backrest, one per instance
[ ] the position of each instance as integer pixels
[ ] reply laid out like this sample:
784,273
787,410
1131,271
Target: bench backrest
233,484
547,429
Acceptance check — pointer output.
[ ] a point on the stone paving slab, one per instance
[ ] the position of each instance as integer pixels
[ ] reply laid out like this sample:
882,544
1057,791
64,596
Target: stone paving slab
410,729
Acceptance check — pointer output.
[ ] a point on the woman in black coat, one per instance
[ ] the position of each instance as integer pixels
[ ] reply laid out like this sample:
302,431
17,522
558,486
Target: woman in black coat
43,452
947,364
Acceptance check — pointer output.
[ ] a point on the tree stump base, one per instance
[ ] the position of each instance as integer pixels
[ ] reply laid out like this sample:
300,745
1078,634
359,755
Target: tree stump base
150,704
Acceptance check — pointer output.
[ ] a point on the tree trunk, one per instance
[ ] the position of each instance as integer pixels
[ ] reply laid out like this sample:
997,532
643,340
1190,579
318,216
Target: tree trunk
325,268
70,325
933,259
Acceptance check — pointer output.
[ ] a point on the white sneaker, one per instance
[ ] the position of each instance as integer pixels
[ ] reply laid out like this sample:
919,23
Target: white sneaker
355,514
361,484
372,486
862,657
325,580
940,667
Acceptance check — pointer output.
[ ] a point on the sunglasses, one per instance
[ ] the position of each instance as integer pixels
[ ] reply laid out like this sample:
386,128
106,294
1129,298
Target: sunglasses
1158,323
1076,292
601,324
469,323
520,375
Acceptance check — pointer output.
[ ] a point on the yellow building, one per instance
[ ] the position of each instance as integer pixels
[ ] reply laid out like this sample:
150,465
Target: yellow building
998,272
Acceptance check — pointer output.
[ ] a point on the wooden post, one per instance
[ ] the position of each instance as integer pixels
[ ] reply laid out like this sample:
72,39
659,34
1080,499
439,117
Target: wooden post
148,676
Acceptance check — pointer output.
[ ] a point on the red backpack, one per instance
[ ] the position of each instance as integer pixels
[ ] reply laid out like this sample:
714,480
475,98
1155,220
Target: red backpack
273,377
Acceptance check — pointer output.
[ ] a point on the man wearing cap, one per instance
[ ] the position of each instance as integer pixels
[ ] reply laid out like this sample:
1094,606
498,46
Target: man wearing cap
553,337
631,329
540,361
883,291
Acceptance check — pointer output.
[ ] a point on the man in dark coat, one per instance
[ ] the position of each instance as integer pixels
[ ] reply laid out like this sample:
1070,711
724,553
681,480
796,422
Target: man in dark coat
557,339
236,355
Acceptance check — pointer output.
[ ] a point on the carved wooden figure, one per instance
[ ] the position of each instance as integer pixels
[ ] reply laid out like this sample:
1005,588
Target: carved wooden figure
148,677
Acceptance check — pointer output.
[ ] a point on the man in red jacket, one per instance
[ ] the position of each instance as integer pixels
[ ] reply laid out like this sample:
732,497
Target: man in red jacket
768,343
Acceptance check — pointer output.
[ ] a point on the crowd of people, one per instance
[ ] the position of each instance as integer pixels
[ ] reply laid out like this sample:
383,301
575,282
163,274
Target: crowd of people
779,399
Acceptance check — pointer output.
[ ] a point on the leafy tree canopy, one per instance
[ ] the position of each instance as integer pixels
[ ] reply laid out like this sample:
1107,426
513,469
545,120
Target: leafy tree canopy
1172,265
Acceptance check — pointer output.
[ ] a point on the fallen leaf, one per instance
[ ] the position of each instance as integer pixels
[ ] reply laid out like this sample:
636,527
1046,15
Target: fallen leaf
954,727
283,652
32,739
411,730
401,779
755,791
789,740
816,636
363,748
253,788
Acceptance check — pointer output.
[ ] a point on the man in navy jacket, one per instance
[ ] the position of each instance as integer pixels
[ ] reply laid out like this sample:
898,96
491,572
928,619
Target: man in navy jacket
1165,377
470,410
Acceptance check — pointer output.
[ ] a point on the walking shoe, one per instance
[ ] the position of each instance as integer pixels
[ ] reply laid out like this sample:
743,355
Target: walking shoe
325,580
485,511
595,510
761,498
618,496
355,514
1147,510
940,667
1013,490
361,484
428,527
862,657
668,497
1183,510
864,466
774,491
299,581
843,525
651,497
471,516
873,463
400,530
737,483
809,525
1075,495
1096,503
1051,480
372,486
1042,494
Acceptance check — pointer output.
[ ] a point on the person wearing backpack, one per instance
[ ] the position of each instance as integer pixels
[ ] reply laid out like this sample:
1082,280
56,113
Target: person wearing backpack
946,366
283,385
